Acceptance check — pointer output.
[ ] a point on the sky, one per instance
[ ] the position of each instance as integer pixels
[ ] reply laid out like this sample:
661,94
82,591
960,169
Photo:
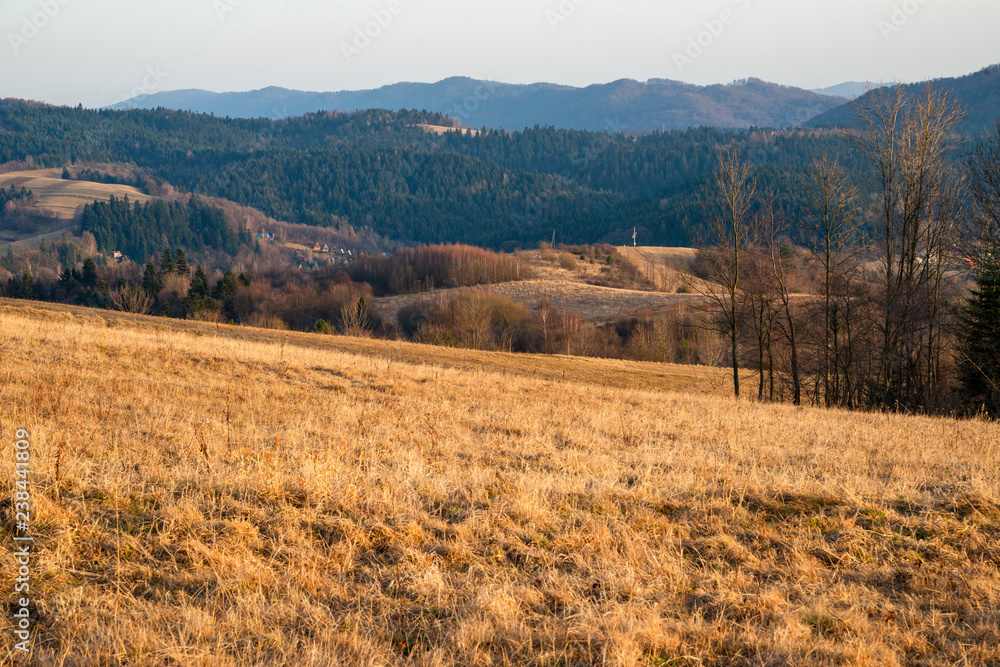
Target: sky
96,52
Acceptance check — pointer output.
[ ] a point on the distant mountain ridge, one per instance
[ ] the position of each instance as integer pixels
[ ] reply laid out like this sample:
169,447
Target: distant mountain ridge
979,93
848,89
623,105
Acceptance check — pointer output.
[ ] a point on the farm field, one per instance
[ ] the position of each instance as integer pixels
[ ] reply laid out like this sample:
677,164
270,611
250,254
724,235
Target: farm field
61,197
229,496
572,291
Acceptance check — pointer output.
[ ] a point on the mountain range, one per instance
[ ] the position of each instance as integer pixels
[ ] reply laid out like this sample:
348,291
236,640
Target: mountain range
625,105
978,93
620,106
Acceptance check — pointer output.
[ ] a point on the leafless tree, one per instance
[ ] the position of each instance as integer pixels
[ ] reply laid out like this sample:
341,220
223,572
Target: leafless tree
983,234
831,234
909,139
774,228
727,238
132,298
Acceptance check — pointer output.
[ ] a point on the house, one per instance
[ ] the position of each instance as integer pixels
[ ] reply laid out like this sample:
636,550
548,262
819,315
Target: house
317,247
326,249
117,255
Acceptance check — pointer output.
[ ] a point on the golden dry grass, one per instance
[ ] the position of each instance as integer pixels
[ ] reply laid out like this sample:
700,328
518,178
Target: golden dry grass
593,303
228,500
440,129
61,197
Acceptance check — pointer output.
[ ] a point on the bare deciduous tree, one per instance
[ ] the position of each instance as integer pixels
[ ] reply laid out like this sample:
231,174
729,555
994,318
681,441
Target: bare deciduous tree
909,140
728,237
831,234
132,298
983,234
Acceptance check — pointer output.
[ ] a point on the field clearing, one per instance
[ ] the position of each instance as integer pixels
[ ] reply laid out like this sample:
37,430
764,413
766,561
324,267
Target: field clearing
571,291
204,496
61,197
593,303
441,129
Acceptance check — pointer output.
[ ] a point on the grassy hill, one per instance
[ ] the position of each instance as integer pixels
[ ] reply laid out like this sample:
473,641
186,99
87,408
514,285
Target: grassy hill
230,496
61,197
56,203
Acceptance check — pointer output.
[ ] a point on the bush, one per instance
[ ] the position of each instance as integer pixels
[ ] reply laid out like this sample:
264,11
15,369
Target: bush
474,320
265,321
420,269
322,327
568,262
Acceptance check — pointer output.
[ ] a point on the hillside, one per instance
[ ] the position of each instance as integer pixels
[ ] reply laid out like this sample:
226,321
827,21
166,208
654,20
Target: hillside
55,204
63,198
979,93
575,290
383,174
624,105
224,496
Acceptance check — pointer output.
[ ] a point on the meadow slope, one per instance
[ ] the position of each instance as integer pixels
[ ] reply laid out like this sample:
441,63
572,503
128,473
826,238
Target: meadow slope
211,496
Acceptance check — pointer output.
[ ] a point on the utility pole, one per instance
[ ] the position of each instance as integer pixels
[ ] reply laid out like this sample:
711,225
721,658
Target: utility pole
634,235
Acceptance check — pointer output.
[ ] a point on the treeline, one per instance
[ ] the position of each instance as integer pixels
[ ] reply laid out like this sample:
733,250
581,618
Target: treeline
482,320
13,194
438,266
141,230
892,328
381,174
272,297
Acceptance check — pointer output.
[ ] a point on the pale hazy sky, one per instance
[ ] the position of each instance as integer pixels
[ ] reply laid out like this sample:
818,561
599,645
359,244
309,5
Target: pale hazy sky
97,51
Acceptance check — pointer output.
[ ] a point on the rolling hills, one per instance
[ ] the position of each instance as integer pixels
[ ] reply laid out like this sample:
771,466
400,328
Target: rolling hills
619,106
979,93
381,173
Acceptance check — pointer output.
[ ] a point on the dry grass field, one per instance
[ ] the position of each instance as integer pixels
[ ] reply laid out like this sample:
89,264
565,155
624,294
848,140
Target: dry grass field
571,291
61,197
593,303
219,496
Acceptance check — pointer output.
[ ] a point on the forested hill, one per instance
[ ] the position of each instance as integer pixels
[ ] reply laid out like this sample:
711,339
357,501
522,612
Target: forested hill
624,105
379,171
978,93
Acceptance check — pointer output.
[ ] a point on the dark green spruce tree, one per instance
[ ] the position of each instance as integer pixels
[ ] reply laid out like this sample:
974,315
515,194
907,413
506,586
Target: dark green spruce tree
89,272
167,262
151,281
979,349
182,264
199,284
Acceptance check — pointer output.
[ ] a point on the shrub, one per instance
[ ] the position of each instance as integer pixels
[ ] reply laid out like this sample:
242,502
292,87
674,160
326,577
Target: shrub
418,269
322,327
568,262
266,321
474,320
